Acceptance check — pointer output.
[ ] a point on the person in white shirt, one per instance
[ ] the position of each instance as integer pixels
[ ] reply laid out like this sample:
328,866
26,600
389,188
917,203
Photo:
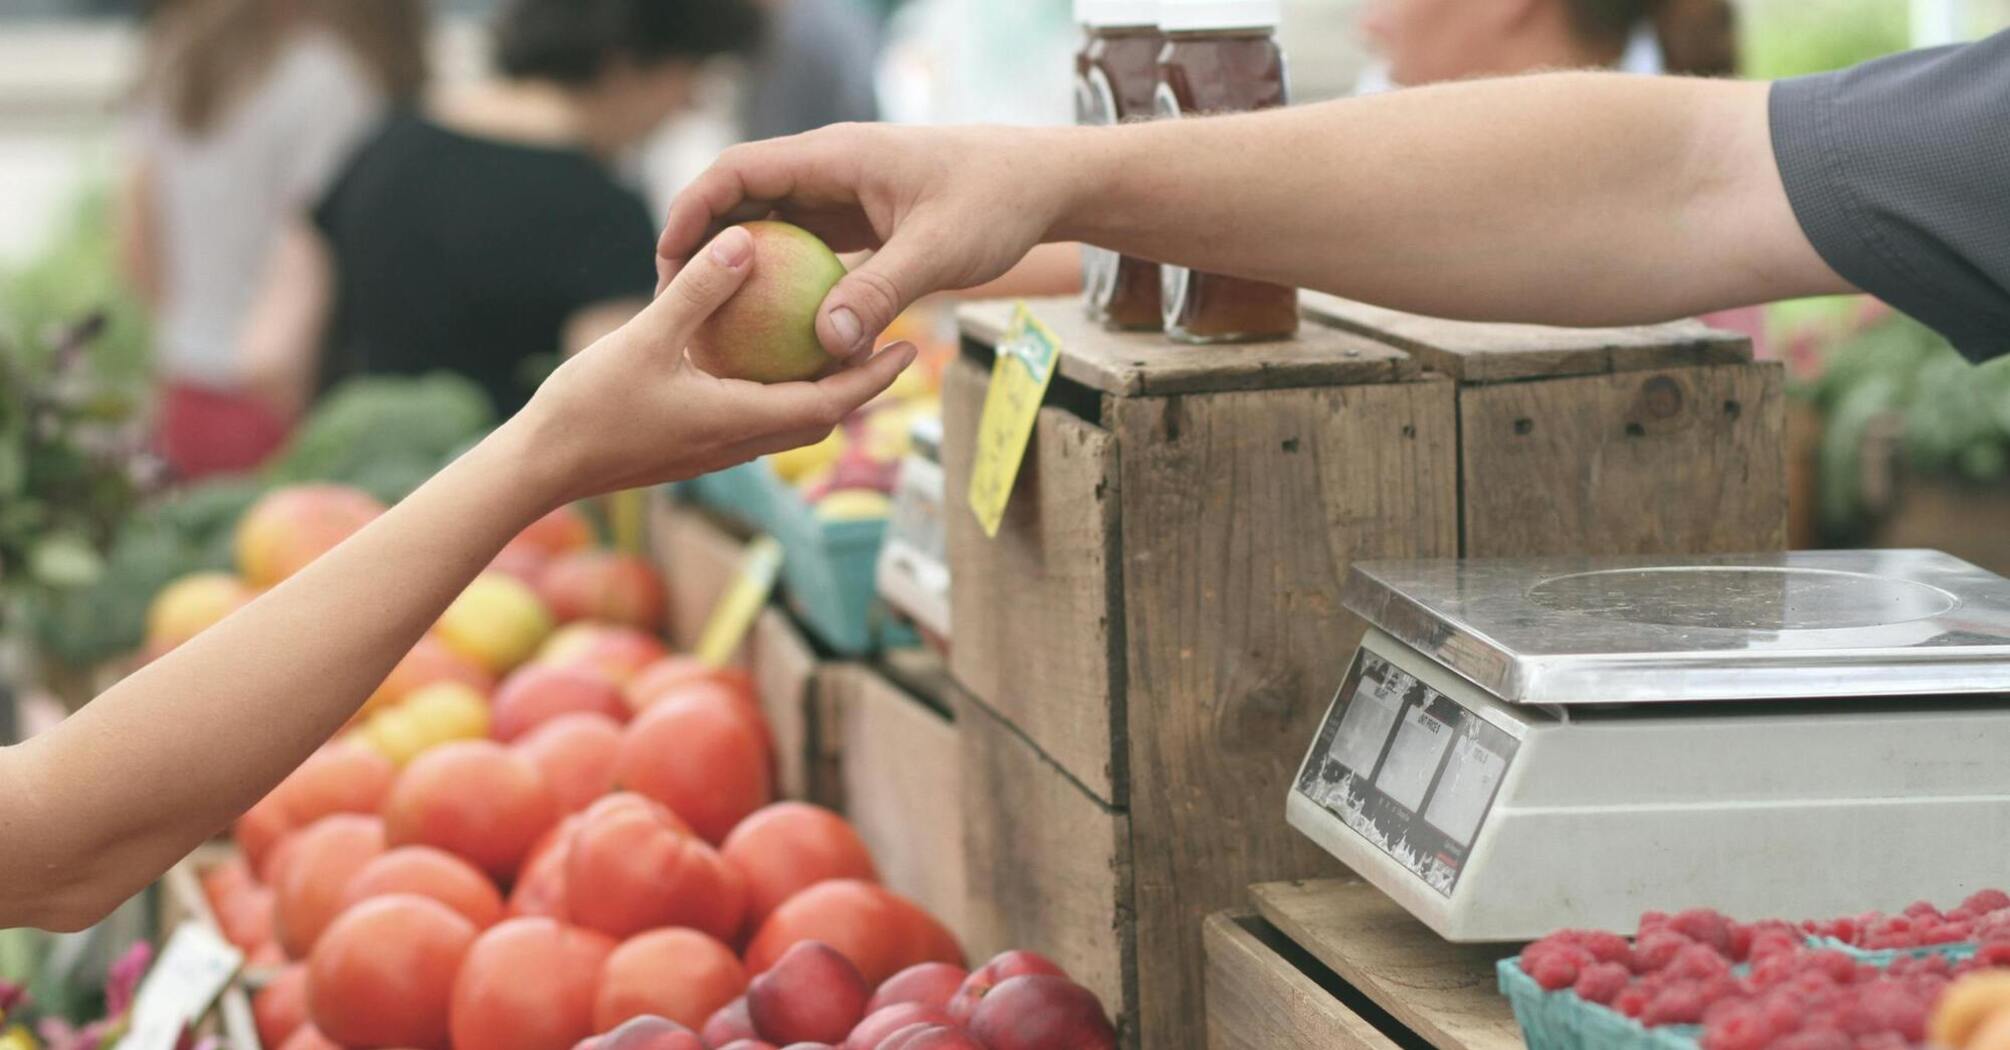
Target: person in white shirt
245,110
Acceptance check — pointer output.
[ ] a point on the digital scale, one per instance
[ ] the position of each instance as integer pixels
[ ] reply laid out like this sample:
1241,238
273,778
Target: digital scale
1522,746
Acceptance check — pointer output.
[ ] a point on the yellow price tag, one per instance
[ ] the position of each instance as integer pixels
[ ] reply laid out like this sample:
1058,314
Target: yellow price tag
734,615
1027,357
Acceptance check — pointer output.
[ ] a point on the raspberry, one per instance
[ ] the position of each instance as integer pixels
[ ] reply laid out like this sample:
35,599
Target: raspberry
1882,1041
1679,1003
1656,949
1992,954
1697,962
1744,1029
1554,972
1653,920
1602,982
1922,909
1773,943
1704,926
1985,901
1632,1001
1813,1039
1838,967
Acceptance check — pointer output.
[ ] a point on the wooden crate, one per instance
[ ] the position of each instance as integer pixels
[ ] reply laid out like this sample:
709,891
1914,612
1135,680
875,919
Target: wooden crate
893,766
1336,964
784,666
1156,629
698,554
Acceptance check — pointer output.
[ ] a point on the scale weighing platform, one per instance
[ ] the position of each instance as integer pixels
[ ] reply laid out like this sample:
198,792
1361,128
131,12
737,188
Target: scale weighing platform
1526,745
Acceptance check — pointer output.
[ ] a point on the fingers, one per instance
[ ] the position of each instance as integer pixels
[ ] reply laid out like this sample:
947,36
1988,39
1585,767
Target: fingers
768,412
700,287
865,303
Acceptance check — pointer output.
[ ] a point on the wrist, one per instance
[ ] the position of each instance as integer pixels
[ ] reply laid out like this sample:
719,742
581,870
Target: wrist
1082,168
526,464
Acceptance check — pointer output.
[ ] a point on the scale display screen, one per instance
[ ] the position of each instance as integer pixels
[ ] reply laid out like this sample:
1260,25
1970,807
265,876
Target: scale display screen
1407,768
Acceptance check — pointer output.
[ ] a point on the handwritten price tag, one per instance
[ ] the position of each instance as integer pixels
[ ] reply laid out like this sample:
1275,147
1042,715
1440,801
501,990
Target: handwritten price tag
742,601
191,972
1026,360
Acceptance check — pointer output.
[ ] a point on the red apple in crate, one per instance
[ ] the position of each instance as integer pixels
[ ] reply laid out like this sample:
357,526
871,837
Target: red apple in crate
930,983
767,331
536,694
1002,967
606,586
649,1033
939,1037
1041,1012
881,1023
811,994
730,1025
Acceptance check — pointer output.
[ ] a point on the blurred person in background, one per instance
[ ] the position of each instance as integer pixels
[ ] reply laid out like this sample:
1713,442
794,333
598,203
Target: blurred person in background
244,111
1429,41
485,232
814,68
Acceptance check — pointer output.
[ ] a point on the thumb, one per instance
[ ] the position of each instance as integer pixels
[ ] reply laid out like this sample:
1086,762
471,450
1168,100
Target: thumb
699,288
867,300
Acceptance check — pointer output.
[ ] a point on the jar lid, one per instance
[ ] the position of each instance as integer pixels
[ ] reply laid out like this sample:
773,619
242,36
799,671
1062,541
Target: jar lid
1187,15
1111,13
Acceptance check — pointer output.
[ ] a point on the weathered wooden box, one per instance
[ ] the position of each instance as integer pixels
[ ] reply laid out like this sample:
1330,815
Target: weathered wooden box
1145,648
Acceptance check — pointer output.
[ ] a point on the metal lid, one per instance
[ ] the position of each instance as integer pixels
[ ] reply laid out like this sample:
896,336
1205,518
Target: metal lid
1799,625
1177,16
1116,14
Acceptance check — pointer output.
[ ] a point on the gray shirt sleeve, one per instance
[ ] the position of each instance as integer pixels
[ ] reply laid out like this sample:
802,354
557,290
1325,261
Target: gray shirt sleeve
1899,172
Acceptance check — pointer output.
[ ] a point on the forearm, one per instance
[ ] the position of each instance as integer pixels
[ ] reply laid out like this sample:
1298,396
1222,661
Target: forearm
1565,199
170,755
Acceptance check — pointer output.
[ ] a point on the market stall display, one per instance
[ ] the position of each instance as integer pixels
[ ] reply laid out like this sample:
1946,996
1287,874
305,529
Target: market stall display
1158,623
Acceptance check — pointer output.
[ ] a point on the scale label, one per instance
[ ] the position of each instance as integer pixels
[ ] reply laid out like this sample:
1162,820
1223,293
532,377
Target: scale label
1408,769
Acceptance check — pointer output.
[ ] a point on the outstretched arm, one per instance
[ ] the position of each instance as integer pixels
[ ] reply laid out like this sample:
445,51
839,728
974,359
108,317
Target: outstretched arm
99,806
1571,198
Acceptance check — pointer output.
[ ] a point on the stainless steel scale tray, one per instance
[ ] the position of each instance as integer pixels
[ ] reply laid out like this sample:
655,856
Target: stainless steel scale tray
1606,630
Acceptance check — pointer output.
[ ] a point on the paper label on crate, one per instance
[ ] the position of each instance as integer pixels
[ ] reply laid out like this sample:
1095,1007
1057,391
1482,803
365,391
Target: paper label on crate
1027,357
185,981
741,603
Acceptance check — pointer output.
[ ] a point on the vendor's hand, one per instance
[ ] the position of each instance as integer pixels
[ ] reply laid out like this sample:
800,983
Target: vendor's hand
631,409
945,208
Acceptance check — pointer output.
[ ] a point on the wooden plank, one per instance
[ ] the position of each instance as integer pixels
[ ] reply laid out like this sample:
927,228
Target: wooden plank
1442,991
698,556
1241,515
1688,460
1048,865
1033,606
1474,352
900,769
784,666
1147,363
1257,1000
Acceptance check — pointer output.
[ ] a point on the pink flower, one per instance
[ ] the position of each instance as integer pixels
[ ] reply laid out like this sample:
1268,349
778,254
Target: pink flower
11,996
123,980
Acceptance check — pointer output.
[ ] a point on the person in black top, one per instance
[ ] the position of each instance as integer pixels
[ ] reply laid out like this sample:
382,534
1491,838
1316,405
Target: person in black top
485,233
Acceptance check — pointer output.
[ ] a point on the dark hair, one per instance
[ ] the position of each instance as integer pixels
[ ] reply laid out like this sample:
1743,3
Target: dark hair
1698,37
573,41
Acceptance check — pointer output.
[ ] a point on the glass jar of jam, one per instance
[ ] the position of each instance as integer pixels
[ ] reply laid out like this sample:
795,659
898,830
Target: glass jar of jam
1221,56
1116,79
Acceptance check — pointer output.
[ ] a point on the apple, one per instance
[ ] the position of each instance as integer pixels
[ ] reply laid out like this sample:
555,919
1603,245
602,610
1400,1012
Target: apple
812,994
1003,966
730,1025
767,331
930,983
1038,1011
885,1021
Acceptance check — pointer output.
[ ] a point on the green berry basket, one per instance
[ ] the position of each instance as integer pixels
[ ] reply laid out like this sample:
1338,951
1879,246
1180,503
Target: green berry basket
1562,1021
1957,951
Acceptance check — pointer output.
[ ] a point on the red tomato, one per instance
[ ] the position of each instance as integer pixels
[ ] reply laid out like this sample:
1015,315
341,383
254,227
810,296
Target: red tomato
790,846
607,586
538,693
383,973
280,1008
540,888
307,1037
881,932
433,874
319,864
475,799
683,975
342,777
576,754
699,756
428,663
633,867
670,674
259,830
528,984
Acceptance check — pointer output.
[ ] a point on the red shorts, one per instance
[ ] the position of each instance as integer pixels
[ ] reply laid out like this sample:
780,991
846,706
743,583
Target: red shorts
204,431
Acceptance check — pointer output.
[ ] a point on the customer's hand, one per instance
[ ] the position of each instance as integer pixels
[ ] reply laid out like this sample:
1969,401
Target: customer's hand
632,410
944,208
